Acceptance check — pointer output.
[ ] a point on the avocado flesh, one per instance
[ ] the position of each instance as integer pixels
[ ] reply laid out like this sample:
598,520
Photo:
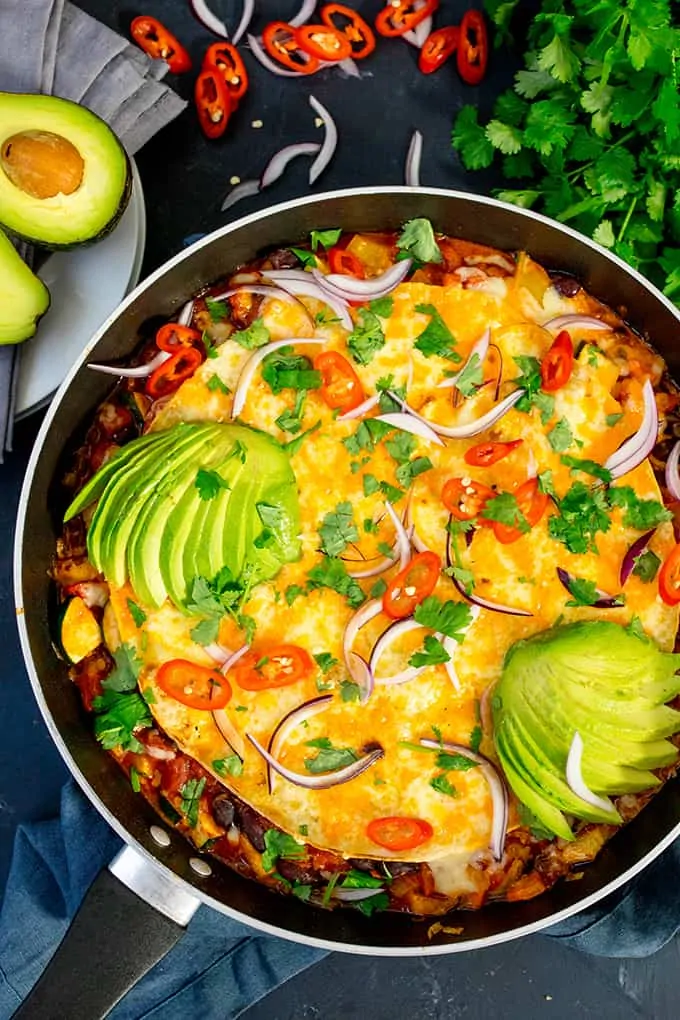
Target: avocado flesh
95,486
94,208
599,680
550,816
23,296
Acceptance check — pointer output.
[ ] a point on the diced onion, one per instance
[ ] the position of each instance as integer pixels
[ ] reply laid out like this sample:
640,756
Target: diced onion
288,723
413,157
635,449
575,780
319,782
329,143
255,360
672,475
280,160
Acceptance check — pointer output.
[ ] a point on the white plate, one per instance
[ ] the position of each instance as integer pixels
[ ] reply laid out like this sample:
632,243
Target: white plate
85,284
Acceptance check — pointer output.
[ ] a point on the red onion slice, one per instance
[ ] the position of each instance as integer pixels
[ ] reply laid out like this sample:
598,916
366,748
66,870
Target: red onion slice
218,652
246,18
349,68
672,474
263,58
636,549
363,408
243,190
280,160
159,753
403,544
422,30
186,314
139,372
304,14
329,143
497,789
481,349
322,782
476,600
451,646
605,600
224,724
414,537
413,157
258,288
362,616
288,723
301,287
641,443
208,19
472,428
385,641
575,780
356,895
351,289
409,423
576,321
254,361
362,675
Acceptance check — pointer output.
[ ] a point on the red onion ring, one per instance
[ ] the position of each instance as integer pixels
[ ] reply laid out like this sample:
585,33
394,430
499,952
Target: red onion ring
402,544
322,782
349,68
362,675
605,600
451,646
356,895
140,372
476,600
255,360
576,783
672,475
243,190
472,428
386,639
185,316
304,14
422,30
414,537
410,38
298,286
362,616
636,549
208,19
409,423
222,721
280,160
246,18
218,652
413,157
497,789
364,407
351,289
263,58
576,321
288,723
481,349
641,443
329,143
258,288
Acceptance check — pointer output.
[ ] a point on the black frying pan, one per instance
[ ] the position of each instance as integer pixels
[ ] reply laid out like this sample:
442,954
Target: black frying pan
142,903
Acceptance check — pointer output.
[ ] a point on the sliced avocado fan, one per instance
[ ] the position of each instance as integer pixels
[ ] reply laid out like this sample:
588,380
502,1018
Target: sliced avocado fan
597,679
193,500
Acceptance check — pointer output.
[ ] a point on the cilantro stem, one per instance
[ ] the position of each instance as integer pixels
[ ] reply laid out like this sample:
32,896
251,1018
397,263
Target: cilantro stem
574,174
624,225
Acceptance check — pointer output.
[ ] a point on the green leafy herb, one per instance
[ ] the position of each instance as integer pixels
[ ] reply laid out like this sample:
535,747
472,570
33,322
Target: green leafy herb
330,759
209,483
371,485
301,890
470,377
149,696
582,513
436,338
290,420
646,566
433,653
128,666
307,258
325,238
134,779
332,573
382,306
417,240
217,310
294,445
283,370
528,819
325,661
324,743
476,738
530,382
504,508
367,337
442,784
449,618
461,574
546,484
215,385
293,592
303,830
641,514
355,879
232,765
585,593
206,631
380,901
369,433
349,691
613,419
136,612
256,335
338,529
280,844
209,346
217,597
190,793
588,467
454,762
379,588
323,318
560,436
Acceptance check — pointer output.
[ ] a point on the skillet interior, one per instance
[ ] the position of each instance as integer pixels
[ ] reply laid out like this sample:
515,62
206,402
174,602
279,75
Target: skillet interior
455,214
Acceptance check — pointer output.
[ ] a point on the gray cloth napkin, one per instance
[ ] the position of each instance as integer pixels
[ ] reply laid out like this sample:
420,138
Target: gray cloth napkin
52,47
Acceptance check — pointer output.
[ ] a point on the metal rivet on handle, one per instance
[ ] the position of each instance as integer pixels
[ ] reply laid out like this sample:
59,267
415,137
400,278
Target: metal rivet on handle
201,868
159,835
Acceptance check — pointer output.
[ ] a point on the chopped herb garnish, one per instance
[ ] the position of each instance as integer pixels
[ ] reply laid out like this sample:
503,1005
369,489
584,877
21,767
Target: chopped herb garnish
382,306
583,592
307,258
294,445
560,436
417,240
369,433
280,844
470,377
290,420
134,779
209,483
371,485
215,385
355,879
546,484
450,618
330,759
476,738
324,319
613,419
442,784
646,566
256,335
217,310
588,467
379,588
332,573
328,891
232,765
367,337
531,822
209,346
124,676
641,514
303,830
292,592
349,691
530,381
206,631
285,370
433,653
325,661
191,796
454,762
504,508
149,696
136,612
338,529
582,513
325,238
301,890
405,473
436,338
380,901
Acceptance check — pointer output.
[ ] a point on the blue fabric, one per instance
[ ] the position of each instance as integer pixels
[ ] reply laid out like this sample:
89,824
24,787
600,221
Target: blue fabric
221,967
217,970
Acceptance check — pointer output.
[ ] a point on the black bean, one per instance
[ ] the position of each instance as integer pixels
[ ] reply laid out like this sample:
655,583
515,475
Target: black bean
564,284
223,811
296,872
283,258
253,825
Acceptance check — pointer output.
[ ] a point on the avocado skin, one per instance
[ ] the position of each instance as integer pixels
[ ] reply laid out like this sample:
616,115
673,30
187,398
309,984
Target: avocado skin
600,680
54,114
24,298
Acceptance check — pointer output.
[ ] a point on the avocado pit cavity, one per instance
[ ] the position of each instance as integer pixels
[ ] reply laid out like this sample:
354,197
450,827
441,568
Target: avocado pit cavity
42,164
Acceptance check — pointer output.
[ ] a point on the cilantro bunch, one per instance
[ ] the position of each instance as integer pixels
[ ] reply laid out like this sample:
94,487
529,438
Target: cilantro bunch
590,134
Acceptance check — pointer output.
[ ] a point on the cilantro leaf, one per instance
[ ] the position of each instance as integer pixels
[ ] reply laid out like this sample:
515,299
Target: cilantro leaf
470,377
382,306
380,901
470,141
582,513
332,573
449,618
217,310
646,566
613,419
504,508
433,653
436,338
476,738
641,514
126,673
368,434
583,592
405,473
283,369
136,612
325,238
338,529
209,483
307,258
330,759
294,445
290,420
280,844
325,661
442,784
454,762
367,337
215,385
232,765
349,691
355,879
118,716
560,436
206,631
293,592
256,335
530,382
589,467
417,240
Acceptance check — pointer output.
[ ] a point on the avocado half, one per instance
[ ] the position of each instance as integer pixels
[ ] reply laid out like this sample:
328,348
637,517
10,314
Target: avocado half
23,296
64,176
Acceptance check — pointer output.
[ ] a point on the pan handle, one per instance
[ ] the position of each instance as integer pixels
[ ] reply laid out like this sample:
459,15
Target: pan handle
131,916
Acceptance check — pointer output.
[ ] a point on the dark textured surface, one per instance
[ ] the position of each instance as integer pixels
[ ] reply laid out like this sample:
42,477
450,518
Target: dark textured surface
185,179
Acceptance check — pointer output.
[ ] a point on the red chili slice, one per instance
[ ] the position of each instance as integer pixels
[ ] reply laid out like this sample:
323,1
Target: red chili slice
473,48
169,376
437,48
157,42
172,337
324,43
532,504
485,454
281,43
399,833
398,18
213,104
277,667
352,25
465,498
669,578
227,59
558,364
341,387
411,585
342,261
194,686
